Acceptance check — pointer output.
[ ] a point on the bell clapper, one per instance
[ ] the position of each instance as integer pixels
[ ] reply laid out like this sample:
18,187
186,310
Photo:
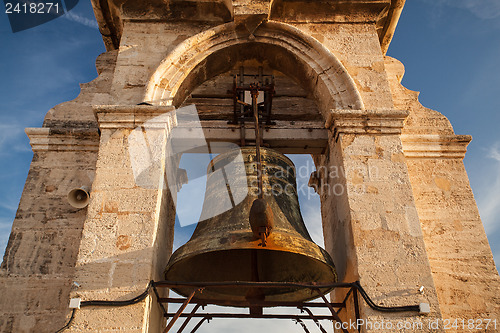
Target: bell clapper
261,220
264,232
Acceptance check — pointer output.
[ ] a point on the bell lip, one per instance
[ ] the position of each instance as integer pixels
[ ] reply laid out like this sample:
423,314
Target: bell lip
291,295
223,155
327,262
215,301
279,240
314,251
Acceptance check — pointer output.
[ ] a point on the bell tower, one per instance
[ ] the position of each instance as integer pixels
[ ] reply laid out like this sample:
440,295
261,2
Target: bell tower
397,211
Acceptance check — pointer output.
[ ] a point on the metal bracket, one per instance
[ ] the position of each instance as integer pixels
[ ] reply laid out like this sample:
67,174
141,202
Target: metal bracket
316,289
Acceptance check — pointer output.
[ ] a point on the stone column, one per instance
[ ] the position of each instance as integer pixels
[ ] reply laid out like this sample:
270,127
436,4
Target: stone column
127,236
370,221
467,282
39,262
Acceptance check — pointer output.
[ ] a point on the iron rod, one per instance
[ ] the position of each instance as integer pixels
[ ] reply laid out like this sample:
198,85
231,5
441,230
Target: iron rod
301,323
255,93
225,284
228,187
247,304
179,312
199,324
235,101
235,284
332,310
184,324
242,107
249,316
158,299
345,300
310,314
356,306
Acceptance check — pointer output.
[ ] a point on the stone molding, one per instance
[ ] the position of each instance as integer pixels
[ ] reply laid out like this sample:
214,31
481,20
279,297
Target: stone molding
46,138
388,121
111,14
164,84
131,116
435,145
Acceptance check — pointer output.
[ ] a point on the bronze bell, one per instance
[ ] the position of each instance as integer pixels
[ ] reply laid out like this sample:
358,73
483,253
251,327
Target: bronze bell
223,246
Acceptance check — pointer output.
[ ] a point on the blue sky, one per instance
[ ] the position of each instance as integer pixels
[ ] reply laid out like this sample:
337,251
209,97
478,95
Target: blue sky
450,49
40,68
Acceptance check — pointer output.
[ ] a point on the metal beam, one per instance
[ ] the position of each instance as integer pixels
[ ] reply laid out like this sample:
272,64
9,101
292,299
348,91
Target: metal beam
253,303
249,316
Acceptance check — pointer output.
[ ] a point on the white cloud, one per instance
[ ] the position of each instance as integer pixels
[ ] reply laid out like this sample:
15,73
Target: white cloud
483,9
310,206
80,19
495,152
489,204
311,213
9,205
5,227
496,258
10,134
5,223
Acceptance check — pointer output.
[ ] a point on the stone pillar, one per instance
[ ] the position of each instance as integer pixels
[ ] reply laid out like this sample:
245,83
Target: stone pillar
467,282
128,234
370,221
39,262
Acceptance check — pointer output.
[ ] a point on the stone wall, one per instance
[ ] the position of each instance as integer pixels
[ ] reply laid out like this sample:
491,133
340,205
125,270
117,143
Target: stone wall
406,217
370,221
462,264
39,262
128,234
37,271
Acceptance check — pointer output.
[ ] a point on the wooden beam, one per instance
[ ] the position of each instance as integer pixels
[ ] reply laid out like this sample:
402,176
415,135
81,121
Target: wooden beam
299,137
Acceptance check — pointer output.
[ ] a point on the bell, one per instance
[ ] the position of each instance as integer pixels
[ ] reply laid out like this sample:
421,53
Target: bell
244,235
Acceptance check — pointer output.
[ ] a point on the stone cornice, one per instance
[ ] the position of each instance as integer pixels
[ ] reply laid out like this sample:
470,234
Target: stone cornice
388,24
388,121
111,14
435,145
46,138
130,116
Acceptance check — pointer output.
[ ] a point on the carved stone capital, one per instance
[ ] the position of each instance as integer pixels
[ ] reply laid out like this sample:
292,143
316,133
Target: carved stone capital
131,116
388,121
435,145
46,138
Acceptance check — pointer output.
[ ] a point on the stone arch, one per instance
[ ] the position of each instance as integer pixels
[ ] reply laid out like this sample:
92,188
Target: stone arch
326,78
